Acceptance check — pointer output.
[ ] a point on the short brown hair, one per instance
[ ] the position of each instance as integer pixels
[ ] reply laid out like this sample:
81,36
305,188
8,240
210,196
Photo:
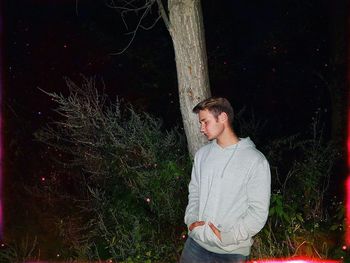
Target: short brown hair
216,106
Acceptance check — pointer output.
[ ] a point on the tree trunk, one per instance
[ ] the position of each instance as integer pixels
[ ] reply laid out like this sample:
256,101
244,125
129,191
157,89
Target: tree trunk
187,32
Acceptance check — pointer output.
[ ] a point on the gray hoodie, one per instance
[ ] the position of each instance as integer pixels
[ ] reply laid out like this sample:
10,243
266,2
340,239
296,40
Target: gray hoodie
229,187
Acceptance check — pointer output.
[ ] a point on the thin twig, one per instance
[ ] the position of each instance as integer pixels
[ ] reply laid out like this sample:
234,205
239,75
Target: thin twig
134,32
163,14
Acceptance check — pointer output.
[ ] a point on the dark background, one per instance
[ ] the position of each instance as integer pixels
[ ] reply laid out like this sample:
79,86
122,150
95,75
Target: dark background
265,56
270,57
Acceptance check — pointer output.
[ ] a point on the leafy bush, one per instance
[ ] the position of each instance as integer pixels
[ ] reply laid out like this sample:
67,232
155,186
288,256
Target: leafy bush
21,251
121,190
301,222
129,181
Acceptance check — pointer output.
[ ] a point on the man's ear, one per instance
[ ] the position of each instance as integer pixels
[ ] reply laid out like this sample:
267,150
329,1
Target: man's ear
223,117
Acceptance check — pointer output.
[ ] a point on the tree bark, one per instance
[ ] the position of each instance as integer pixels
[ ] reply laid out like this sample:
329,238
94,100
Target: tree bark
187,32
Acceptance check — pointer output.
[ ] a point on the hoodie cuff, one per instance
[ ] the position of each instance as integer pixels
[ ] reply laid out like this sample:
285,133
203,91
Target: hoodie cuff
190,221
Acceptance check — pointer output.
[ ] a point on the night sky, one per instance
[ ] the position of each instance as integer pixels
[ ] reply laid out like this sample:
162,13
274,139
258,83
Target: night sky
268,56
261,55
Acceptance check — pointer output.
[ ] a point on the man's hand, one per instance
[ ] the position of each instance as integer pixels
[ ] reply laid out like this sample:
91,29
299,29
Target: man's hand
195,224
215,230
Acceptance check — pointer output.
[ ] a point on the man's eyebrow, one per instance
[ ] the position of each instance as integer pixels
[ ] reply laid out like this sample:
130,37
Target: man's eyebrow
203,119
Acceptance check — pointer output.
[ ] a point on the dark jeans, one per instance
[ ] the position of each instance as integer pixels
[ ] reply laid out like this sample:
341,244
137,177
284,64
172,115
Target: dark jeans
194,253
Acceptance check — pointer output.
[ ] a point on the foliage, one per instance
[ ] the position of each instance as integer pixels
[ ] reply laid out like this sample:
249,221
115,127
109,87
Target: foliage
25,249
121,191
301,222
129,181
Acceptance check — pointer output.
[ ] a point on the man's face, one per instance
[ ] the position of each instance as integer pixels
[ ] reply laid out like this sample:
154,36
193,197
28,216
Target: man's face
211,127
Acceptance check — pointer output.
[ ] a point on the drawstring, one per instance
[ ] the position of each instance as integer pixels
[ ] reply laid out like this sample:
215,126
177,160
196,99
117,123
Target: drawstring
229,160
223,171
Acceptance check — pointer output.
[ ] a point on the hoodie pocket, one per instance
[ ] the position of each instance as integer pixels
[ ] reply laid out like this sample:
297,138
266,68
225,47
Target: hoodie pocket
197,233
205,235
209,237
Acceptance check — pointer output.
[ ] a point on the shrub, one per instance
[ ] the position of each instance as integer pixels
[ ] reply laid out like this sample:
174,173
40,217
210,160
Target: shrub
300,220
121,191
128,190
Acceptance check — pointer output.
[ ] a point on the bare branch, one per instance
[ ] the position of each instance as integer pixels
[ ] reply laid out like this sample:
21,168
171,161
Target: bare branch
163,13
151,26
130,6
123,18
148,8
127,3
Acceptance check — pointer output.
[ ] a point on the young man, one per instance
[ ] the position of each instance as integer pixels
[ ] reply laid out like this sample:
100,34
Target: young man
229,192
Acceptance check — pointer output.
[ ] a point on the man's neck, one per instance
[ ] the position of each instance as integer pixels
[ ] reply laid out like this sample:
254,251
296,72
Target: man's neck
227,139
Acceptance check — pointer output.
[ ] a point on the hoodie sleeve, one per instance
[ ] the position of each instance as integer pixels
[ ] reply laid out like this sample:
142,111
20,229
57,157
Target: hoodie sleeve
253,220
192,209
